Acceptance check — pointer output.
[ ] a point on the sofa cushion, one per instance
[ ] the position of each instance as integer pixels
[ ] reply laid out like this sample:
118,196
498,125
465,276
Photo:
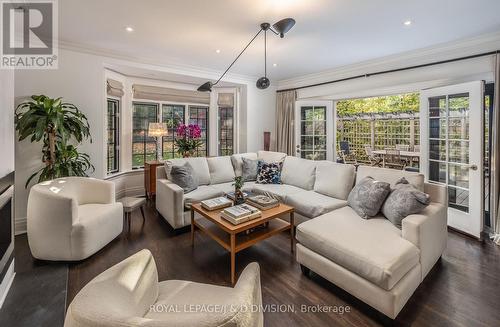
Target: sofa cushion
270,156
390,176
238,162
298,172
221,170
372,249
311,204
334,179
199,164
276,191
203,192
184,176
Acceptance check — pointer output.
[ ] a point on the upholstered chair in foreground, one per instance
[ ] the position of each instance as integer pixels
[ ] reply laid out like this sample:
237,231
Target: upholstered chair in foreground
128,294
72,218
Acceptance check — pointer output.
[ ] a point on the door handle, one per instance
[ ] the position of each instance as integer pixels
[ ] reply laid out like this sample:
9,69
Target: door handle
298,150
473,167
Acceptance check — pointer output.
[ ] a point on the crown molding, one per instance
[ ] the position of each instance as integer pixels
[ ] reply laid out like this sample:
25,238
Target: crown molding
166,65
443,51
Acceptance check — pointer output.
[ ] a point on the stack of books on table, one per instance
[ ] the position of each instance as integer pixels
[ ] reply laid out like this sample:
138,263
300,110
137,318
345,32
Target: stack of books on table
262,202
217,203
240,213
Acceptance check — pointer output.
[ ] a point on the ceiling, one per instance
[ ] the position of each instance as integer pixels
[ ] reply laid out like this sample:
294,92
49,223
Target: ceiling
328,33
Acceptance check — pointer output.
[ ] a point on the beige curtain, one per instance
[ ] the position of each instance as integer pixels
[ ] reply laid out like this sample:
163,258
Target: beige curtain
114,88
148,92
495,157
285,119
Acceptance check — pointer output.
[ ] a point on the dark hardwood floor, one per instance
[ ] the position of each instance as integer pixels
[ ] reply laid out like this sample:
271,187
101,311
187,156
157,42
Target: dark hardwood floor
463,289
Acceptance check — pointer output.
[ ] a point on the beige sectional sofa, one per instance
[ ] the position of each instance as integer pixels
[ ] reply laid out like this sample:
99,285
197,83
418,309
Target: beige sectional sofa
372,259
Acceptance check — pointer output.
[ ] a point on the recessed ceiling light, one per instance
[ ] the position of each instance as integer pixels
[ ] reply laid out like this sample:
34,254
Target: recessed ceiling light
129,29
274,65
407,22
217,51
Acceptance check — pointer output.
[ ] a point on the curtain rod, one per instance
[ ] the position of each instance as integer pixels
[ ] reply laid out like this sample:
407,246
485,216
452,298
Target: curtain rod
392,71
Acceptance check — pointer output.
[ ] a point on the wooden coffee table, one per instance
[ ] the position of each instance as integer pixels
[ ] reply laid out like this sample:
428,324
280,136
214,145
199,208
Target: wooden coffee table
234,237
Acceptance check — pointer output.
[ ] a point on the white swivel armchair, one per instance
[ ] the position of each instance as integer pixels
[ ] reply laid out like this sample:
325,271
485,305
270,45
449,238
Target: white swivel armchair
128,294
72,218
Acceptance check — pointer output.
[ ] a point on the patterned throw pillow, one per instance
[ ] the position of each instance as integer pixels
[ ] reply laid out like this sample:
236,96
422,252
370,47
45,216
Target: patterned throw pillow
269,173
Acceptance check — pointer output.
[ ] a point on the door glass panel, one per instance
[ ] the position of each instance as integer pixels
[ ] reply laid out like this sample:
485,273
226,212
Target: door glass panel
459,151
437,150
458,199
437,171
313,133
449,146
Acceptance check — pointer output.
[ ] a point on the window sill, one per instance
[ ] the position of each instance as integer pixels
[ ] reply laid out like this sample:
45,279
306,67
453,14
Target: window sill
123,173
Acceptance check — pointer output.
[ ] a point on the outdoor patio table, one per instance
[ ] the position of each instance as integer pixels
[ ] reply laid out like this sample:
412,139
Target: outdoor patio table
407,154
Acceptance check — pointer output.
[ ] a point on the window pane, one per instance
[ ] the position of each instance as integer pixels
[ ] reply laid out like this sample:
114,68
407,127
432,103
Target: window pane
226,131
113,135
199,115
313,132
142,115
173,116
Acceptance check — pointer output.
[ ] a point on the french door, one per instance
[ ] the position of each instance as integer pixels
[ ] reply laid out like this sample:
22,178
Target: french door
451,120
314,130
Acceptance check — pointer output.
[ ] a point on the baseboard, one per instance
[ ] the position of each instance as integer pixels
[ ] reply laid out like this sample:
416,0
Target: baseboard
7,283
20,226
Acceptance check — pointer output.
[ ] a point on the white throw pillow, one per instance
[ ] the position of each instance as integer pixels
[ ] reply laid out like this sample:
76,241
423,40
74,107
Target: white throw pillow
298,172
334,179
221,170
238,162
270,156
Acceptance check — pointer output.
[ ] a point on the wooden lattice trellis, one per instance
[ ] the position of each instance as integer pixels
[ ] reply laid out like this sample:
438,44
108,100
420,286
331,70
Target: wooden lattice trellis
378,130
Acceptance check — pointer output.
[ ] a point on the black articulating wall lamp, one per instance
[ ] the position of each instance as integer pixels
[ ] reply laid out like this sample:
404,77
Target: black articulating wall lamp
280,28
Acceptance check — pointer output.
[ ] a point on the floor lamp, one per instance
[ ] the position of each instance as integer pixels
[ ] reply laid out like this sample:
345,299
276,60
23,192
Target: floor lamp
156,130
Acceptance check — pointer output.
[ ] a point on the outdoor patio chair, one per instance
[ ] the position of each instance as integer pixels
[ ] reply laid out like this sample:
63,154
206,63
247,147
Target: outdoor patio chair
345,153
374,159
393,159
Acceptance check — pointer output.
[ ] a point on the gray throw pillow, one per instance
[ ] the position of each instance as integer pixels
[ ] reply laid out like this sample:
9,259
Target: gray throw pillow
184,177
367,197
249,169
403,201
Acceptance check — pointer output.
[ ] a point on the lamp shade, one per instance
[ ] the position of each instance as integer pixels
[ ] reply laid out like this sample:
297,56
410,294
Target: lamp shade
206,87
157,130
284,26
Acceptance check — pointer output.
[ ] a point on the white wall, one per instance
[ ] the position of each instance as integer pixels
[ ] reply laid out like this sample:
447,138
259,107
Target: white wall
80,79
6,122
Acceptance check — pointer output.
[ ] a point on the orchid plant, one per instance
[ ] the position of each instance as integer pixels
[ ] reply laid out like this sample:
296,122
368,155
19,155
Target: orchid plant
188,139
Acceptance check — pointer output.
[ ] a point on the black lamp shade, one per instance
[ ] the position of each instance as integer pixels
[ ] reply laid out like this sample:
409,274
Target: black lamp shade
263,83
284,26
207,87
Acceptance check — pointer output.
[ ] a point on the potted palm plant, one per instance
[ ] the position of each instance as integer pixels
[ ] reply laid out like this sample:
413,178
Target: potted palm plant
188,139
60,127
